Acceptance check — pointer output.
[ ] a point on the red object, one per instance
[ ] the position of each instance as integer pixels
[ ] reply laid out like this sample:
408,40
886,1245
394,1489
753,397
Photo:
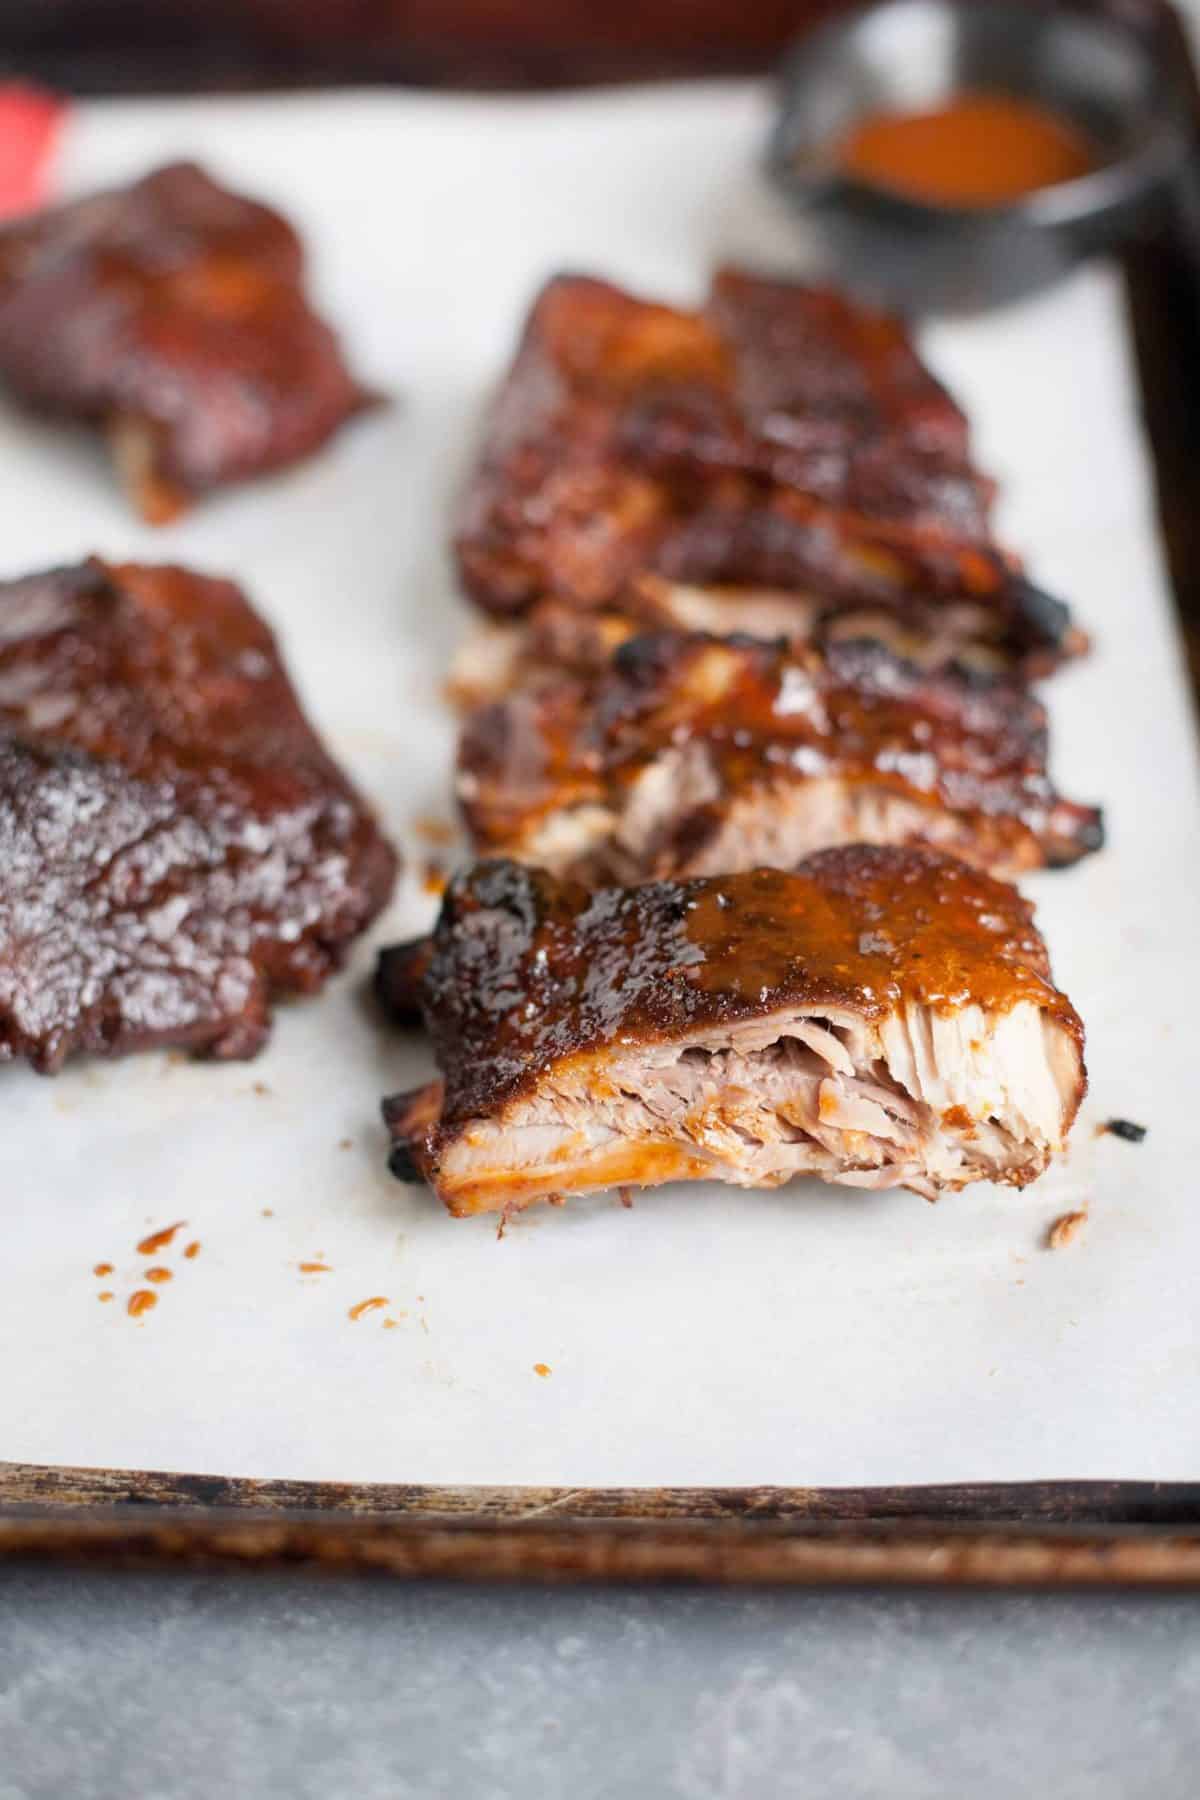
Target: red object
30,121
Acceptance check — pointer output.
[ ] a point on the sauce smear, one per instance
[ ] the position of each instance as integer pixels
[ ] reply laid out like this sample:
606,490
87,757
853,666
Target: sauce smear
980,149
366,1306
158,1240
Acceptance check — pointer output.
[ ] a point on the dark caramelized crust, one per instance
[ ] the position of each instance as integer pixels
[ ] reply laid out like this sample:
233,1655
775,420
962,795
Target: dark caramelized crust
172,313
690,754
781,437
176,844
399,984
817,395
526,970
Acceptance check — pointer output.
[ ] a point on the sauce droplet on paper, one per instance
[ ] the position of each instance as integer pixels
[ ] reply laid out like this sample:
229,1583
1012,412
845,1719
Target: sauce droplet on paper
141,1302
158,1240
366,1306
105,1294
314,1268
1066,1229
542,1369
103,1269
191,1251
158,1273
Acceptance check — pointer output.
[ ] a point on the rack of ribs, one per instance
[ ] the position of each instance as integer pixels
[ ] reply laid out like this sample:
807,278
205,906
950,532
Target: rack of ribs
781,443
877,1017
178,847
683,754
172,314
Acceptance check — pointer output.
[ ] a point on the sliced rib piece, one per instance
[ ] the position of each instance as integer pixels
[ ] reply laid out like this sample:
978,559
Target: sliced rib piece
686,754
172,313
553,637
878,1018
176,847
779,438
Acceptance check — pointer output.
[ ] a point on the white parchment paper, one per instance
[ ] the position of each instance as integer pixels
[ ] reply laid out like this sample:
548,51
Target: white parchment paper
710,1336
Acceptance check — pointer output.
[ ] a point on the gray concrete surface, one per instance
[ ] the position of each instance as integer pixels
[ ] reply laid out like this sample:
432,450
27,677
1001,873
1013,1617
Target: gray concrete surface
195,1686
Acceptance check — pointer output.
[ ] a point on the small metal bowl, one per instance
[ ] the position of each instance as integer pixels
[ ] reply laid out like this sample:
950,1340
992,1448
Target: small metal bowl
914,55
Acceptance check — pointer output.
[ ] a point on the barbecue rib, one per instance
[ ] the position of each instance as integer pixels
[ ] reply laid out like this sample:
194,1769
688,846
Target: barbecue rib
690,755
781,438
176,846
878,1017
172,313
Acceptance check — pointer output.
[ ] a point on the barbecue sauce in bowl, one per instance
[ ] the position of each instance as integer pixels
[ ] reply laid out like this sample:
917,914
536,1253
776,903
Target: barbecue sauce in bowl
979,150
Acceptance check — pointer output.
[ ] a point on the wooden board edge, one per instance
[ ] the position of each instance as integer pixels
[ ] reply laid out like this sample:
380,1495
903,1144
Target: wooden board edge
1031,1535
580,1550
30,1490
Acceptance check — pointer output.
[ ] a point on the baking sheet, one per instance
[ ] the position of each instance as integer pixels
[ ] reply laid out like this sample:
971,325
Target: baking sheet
708,1336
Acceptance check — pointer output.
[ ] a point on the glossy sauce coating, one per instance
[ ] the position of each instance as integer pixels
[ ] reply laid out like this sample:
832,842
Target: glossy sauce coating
822,396
980,149
173,312
768,717
527,971
177,844
779,436
771,380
